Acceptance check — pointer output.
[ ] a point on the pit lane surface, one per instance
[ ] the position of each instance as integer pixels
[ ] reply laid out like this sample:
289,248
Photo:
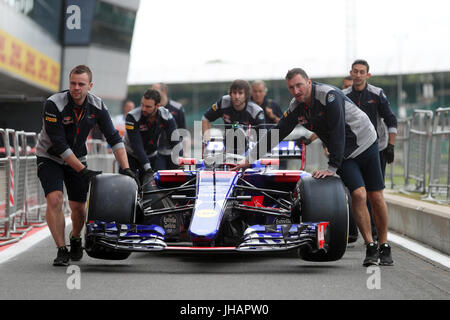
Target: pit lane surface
30,275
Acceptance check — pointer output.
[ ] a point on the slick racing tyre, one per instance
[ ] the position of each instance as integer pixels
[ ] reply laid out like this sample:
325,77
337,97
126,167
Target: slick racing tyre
112,198
325,200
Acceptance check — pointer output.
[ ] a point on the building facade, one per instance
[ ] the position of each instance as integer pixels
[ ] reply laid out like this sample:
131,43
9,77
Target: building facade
41,41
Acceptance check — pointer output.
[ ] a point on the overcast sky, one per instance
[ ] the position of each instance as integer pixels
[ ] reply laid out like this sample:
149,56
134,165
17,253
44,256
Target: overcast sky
222,40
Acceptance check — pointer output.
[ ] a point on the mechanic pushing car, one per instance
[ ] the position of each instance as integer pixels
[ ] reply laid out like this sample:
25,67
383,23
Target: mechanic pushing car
144,126
235,107
351,140
61,153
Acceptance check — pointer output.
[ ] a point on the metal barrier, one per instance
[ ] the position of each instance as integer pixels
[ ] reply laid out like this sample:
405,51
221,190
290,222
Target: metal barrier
15,186
21,196
7,186
418,146
439,177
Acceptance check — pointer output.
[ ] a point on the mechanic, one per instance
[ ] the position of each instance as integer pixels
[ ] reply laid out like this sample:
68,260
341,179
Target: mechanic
61,156
177,111
272,110
351,140
375,104
144,127
235,107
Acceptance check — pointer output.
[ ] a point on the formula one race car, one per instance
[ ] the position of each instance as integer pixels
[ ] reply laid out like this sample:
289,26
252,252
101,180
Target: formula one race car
208,208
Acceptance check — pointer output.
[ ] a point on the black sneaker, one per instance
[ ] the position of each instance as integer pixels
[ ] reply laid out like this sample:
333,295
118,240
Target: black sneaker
76,248
62,258
371,255
385,255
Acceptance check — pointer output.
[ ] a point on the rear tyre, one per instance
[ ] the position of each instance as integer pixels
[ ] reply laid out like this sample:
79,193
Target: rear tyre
112,198
325,200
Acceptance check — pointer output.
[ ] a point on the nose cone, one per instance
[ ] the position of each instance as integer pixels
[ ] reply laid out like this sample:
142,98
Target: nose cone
212,193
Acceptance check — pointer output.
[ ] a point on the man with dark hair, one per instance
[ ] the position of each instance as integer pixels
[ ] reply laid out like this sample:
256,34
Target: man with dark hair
61,153
144,127
177,111
235,107
351,140
375,104
272,110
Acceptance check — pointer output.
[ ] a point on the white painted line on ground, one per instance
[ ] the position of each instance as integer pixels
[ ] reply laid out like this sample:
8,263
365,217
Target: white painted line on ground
416,247
26,243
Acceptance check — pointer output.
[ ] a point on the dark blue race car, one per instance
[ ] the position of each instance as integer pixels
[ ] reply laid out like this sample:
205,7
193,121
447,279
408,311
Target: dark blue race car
207,208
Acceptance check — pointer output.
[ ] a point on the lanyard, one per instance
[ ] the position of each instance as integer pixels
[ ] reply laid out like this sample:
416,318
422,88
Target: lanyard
78,115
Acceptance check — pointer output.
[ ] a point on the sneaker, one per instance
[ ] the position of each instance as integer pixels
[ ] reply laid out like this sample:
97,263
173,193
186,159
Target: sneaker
76,248
62,257
385,255
371,255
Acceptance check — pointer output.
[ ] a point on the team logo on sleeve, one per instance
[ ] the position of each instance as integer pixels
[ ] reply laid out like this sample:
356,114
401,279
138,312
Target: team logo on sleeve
129,126
67,120
50,119
331,98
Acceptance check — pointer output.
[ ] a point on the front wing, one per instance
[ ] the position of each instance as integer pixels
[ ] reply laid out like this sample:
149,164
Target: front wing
256,238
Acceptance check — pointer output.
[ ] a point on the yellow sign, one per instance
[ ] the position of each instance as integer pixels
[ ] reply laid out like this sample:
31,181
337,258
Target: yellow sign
23,60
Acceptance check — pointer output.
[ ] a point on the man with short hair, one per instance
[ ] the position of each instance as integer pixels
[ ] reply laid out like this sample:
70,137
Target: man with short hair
272,110
61,153
144,127
373,101
177,111
235,107
353,151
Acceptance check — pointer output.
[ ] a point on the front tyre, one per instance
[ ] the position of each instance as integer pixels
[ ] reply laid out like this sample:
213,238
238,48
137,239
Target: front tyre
112,198
325,200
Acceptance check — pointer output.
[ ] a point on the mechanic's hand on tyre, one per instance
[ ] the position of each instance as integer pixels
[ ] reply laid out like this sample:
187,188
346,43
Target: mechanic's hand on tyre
304,140
389,153
130,173
87,175
320,174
